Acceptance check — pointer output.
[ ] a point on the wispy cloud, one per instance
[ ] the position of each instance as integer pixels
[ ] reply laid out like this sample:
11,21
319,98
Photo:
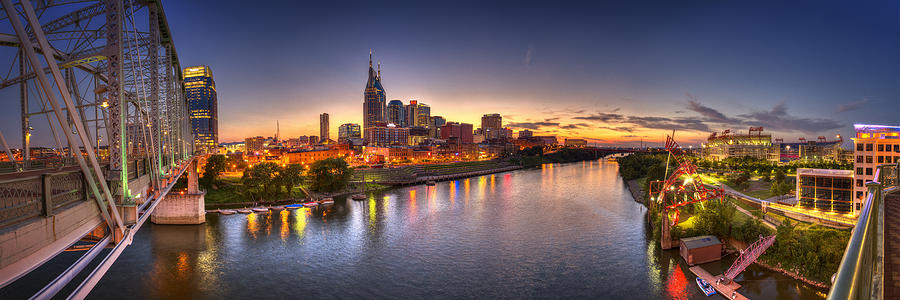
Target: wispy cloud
845,107
529,56
779,119
532,125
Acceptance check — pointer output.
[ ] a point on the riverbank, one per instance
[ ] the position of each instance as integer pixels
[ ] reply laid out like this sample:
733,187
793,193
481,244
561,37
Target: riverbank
639,195
637,192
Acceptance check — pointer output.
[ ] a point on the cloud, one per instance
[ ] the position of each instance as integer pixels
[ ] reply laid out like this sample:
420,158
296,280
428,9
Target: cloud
669,123
532,125
779,119
574,126
852,105
529,56
631,136
603,117
711,114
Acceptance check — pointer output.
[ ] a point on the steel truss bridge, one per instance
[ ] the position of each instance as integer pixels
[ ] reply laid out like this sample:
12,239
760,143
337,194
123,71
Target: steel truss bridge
103,135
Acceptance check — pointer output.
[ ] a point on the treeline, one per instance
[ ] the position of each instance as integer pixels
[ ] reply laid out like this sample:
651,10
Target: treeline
761,166
535,156
271,181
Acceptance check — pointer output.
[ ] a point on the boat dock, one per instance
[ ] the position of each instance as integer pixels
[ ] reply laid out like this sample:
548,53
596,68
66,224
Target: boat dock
726,290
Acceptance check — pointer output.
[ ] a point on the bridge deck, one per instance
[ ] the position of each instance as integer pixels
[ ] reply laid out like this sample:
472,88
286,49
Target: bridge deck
892,246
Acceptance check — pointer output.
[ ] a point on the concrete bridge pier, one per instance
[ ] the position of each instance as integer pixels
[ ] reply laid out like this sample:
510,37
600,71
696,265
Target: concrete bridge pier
182,207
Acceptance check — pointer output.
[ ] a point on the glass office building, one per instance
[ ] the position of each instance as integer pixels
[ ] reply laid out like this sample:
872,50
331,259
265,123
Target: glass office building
200,91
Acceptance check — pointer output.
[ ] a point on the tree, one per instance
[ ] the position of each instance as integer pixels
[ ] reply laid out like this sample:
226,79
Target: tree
329,175
262,177
215,165
779,175
290,176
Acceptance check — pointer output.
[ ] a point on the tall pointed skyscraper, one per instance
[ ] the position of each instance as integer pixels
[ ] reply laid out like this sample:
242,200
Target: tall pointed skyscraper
373,99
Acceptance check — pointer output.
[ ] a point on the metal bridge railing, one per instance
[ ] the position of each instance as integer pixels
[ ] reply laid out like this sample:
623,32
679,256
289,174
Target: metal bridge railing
861,272
39,195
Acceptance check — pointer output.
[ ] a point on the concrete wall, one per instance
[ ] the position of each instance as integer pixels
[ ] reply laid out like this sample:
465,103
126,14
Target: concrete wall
180,209
29,243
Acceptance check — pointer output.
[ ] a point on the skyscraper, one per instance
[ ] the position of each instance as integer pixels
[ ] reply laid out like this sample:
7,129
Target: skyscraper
323,127
436,123
200,90
491,125
418,114
396,113
348,131
373,99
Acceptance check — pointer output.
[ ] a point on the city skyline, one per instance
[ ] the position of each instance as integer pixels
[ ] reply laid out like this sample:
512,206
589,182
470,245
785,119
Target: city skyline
783,72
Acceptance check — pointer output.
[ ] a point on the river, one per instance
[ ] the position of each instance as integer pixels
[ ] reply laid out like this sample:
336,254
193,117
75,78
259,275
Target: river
562,230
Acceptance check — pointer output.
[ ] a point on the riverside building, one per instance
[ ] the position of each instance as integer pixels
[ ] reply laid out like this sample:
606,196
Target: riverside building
874,145
373,99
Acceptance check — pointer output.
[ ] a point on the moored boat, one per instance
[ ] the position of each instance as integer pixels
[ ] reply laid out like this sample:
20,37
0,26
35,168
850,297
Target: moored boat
326,201
430,183
277,208
244,211
358,197
293,206
705,287
310,204
260,209
227,211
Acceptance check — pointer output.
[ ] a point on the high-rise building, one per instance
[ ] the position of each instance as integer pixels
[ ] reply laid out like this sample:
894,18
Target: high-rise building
254,145
396,113
418,114
383,134
324,135
423,115
875,145
200,90
373,98
435,126
458,133
491,125
348,131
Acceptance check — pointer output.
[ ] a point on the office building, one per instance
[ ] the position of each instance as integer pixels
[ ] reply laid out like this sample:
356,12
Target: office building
383,134
875,145
396,113
254,145
373,99
491,125
825,190
435,126
200,91
324,135
348,131
457,133
525,133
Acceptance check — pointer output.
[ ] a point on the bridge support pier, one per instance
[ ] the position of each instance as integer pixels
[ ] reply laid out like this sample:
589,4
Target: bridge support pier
665,235
182,208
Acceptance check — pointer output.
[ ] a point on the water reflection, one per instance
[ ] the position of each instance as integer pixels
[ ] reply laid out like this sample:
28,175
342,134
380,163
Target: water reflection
566,230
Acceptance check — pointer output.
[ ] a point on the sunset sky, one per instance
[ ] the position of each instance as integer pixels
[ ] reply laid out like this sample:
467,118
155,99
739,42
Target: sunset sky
611,72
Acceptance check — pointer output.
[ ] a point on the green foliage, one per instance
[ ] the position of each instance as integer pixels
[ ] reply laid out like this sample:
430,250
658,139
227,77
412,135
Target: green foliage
638,165
261,180
329,175
215,165
290,176
814,252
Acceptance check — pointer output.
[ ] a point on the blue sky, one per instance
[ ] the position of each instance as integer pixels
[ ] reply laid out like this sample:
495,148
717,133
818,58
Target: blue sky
615,72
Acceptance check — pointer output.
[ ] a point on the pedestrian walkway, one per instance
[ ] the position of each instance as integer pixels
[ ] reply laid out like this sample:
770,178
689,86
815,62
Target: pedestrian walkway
892,246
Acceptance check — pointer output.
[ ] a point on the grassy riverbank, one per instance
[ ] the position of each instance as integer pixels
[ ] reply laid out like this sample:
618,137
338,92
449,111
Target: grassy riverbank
805,251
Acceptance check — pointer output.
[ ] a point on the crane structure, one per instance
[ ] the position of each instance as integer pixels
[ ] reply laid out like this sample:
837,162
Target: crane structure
682,187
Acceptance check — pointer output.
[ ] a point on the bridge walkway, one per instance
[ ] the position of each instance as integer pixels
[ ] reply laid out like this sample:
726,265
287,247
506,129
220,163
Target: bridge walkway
892,246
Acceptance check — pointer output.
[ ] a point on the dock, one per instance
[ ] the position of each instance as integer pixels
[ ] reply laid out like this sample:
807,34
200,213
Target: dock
726,290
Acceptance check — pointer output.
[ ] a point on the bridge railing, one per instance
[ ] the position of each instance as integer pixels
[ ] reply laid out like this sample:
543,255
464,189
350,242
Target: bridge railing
40,195
860,274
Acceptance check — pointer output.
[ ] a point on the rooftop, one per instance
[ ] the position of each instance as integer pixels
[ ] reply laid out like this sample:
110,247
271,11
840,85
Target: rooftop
700,241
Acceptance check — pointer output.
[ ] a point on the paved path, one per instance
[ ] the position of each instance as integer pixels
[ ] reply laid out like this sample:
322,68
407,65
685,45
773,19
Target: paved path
892,246
729,291
741,209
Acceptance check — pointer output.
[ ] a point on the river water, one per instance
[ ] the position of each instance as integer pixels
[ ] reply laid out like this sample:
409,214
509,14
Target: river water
562,230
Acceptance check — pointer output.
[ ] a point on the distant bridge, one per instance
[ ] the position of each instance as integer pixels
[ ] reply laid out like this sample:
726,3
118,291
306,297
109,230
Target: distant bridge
101,82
